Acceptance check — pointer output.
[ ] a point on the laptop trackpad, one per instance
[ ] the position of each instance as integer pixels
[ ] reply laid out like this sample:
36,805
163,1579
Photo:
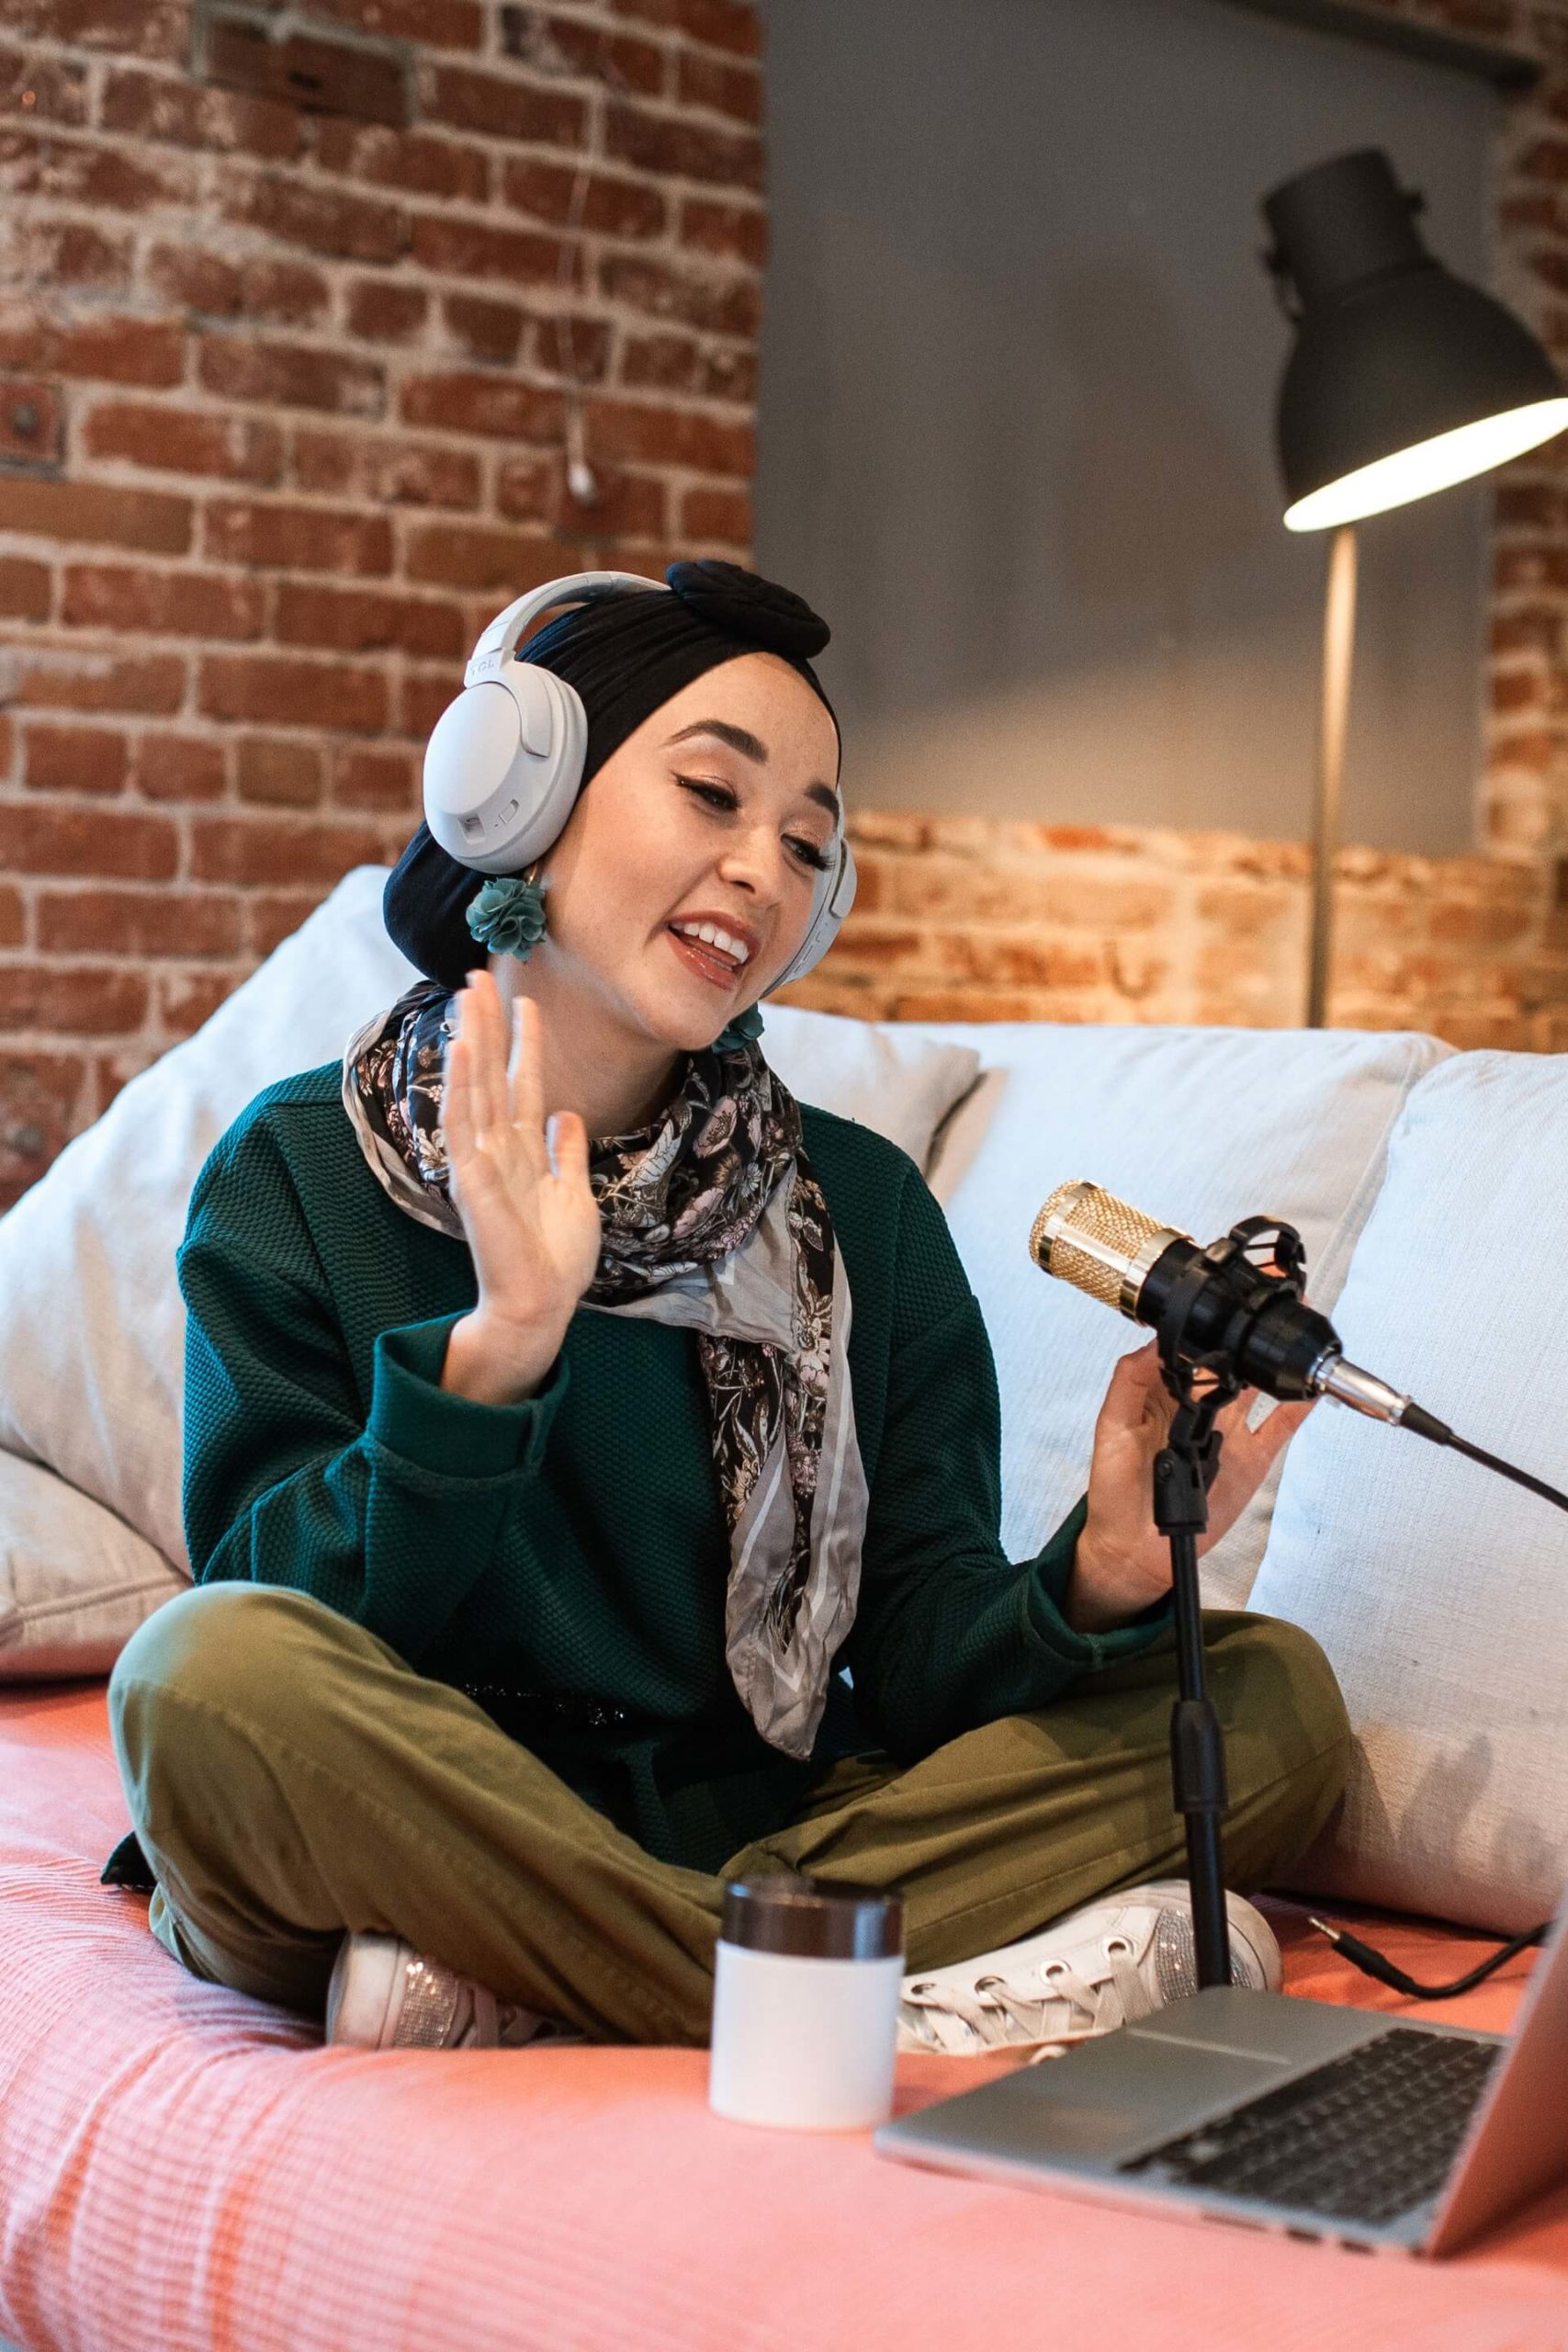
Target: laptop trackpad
1125,2092
1264,2025
1097,2105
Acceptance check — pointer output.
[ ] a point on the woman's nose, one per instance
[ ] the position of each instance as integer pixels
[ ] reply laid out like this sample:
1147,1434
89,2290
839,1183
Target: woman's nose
754,865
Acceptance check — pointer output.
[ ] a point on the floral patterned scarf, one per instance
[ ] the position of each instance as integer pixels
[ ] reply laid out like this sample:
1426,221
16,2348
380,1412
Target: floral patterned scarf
712,1218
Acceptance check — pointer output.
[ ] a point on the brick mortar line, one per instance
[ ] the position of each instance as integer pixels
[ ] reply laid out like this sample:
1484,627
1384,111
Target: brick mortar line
398,584
121,963
106,472
49,48
717,269
125,473
568,82
672,38
344,345
312,172
234,241
416,203
529,373
348,271
122,473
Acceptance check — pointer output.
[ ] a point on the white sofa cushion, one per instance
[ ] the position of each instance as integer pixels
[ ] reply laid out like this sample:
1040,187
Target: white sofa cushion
92,1324
75,1582
1198,1127
881,1074
1438,1590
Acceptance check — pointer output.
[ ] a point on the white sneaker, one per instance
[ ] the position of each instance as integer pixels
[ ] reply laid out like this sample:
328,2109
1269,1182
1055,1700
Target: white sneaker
1100,1967
386,1995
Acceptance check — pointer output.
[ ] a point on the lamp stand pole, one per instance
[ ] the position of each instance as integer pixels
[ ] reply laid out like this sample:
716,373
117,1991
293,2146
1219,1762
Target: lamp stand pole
1338,647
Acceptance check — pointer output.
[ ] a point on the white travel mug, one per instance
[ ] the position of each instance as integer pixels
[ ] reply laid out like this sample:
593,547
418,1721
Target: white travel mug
806,1977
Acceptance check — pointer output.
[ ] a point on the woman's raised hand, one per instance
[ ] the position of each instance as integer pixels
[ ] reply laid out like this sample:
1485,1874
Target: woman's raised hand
1122,1563
532,1226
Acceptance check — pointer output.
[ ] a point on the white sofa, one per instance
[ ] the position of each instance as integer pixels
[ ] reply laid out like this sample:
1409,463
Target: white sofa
1429,1187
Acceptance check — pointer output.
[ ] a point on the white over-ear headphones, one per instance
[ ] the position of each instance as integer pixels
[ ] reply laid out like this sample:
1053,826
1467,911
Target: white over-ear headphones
505,764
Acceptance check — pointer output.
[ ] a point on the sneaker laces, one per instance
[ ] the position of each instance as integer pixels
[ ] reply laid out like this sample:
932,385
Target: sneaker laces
999,2015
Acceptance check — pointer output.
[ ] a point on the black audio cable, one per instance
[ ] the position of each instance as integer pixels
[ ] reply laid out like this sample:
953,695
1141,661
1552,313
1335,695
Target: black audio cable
1373,1963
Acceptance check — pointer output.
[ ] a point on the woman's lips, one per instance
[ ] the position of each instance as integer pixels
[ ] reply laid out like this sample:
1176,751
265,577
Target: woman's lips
720,971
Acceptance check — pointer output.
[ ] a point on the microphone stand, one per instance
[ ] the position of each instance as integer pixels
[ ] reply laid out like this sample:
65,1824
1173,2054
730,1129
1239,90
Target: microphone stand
1184,1471
1221,1293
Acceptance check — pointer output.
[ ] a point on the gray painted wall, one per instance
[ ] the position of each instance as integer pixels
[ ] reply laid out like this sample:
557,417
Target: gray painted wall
1016,430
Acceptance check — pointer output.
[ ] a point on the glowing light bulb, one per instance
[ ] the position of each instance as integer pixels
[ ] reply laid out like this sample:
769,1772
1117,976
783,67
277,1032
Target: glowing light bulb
1425,466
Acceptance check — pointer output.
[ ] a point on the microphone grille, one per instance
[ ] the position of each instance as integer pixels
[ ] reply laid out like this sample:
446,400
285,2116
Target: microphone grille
1112,1228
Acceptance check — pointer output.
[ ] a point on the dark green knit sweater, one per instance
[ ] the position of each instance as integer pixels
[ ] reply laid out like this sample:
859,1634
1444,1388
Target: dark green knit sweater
576,1543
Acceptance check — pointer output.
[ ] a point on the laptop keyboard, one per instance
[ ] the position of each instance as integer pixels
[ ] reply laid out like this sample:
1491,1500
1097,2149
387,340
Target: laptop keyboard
1365,2138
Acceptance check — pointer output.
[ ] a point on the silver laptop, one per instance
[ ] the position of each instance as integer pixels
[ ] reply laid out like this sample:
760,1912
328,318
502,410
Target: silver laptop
1373,2130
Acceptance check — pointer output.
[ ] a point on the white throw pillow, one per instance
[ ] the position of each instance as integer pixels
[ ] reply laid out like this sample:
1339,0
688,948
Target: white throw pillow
75,1582
92,1323
885,1074
1439,1590
1199,1127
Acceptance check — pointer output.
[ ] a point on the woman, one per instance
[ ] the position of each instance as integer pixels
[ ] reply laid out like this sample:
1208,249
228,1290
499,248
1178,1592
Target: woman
540,1481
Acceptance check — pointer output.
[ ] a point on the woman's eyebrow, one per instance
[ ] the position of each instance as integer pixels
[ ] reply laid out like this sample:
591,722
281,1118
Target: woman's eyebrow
740,739
752,747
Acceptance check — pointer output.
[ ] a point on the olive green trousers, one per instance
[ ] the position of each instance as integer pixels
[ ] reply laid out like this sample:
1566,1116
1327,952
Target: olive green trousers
290,1777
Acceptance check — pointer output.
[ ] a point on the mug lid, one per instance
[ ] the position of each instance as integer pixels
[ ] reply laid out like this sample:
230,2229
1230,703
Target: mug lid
813,1918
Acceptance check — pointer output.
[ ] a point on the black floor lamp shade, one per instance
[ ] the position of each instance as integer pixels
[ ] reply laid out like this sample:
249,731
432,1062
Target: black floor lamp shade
1392,354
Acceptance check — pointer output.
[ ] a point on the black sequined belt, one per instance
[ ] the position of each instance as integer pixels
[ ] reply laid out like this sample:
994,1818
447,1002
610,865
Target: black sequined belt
522,1712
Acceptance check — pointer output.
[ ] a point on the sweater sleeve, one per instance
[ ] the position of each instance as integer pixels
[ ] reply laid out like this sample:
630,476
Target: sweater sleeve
389,1515
948,1633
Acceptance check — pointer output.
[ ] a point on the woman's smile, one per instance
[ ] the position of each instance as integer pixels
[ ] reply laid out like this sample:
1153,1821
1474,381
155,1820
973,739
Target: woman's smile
719,970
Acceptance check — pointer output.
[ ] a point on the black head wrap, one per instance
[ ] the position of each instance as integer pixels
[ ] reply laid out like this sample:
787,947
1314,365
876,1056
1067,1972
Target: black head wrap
625,655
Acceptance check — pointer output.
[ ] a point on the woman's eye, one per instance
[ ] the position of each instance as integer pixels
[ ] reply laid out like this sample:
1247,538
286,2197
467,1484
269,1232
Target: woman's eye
712,794
717,797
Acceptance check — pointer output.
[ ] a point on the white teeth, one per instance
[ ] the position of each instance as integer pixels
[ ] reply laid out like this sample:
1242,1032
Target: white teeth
715,937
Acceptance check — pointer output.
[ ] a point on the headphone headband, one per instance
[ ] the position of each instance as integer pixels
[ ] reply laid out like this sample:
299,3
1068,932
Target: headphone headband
498,644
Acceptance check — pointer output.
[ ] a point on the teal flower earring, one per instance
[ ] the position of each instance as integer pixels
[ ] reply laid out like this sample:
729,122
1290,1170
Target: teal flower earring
508,914
738,1033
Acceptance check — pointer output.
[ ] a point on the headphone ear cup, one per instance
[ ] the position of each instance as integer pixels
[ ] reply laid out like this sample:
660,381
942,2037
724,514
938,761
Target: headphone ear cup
503,767
836,897
555,743
504,760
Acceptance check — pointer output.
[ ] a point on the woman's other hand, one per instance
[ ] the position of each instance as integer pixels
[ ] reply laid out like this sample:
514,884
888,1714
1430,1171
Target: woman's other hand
1123,1562
533,1227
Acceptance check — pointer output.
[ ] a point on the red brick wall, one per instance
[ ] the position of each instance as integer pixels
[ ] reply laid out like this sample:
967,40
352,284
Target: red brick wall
976,919
282,424
283,420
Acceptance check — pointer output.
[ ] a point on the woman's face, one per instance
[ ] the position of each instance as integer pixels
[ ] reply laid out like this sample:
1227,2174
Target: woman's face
720,807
